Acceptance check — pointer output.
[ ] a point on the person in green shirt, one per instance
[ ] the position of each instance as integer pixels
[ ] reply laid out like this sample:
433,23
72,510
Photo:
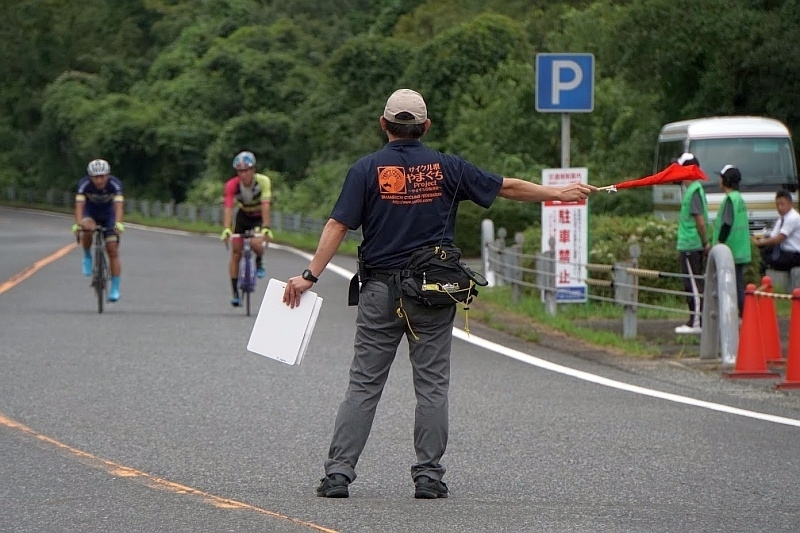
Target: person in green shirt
731,226
693,245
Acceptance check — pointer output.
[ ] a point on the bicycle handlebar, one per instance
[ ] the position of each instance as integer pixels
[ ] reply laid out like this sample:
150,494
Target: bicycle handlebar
97,229
249,234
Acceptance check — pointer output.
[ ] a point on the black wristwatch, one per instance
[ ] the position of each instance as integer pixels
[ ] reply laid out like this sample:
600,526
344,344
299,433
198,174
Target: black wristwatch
309,276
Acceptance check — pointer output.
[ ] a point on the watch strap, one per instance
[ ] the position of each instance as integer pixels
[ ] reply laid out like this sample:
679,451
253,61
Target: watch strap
308,275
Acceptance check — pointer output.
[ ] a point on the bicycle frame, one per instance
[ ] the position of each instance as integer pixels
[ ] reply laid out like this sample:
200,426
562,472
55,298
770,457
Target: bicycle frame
247,268
100,275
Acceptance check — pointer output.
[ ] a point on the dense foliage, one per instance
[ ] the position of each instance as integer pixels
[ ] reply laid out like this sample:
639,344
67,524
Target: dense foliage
169,90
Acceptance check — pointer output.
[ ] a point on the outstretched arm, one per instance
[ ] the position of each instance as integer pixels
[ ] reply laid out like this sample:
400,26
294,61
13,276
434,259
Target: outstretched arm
526,191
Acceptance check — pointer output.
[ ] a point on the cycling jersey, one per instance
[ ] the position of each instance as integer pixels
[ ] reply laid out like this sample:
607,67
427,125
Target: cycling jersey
94,197
248,199
99,203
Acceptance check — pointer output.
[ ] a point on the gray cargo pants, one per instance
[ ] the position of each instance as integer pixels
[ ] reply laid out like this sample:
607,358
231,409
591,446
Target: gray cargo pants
378,334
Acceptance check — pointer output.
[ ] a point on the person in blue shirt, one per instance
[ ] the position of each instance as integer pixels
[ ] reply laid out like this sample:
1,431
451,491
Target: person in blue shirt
99,201
404,197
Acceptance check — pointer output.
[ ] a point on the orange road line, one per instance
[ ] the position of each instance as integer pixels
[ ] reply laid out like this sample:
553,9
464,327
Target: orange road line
118,470
21,276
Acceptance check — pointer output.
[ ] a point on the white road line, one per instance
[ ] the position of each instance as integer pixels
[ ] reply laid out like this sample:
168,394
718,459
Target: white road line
586,376
579,374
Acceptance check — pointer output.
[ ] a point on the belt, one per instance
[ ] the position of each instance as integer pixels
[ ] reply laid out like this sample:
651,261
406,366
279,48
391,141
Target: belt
381,275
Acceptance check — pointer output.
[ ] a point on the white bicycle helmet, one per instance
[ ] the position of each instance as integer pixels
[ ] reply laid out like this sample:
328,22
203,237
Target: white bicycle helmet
98,167
244,160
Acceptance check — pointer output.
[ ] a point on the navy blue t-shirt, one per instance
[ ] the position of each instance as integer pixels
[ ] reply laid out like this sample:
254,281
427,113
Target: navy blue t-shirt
405,196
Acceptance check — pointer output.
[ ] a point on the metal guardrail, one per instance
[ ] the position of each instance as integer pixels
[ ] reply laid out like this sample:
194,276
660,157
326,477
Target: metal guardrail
212,214
503,265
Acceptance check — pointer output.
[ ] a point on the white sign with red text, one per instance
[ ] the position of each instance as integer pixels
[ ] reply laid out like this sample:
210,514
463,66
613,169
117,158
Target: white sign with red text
567,223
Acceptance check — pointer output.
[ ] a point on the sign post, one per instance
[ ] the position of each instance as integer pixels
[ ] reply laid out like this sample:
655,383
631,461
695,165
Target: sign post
565,84
567,223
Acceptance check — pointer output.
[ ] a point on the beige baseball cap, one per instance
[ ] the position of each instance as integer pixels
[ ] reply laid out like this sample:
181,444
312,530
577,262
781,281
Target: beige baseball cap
405,106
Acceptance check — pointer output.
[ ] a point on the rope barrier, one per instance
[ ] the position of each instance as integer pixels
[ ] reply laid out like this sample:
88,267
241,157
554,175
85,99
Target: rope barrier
599,267
596,267
644,272
777,296
599,282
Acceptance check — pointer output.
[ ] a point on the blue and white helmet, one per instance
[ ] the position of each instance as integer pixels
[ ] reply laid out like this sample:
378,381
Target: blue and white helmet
244,160
98,167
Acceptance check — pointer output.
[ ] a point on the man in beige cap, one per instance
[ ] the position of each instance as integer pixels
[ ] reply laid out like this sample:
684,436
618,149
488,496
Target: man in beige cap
404,197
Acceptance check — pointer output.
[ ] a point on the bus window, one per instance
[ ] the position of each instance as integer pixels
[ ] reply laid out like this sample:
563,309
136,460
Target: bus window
668,151
763,162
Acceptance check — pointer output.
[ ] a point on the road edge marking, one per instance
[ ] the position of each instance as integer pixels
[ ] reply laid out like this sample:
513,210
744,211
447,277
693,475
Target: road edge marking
29,271
118,470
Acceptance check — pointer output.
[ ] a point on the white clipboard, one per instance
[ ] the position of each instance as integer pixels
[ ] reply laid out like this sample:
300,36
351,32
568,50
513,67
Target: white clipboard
282,333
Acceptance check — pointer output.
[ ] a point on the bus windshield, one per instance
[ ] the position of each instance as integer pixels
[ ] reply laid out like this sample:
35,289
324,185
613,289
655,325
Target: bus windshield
766,163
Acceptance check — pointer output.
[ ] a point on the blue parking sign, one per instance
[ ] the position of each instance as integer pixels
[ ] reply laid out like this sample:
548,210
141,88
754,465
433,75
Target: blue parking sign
564,83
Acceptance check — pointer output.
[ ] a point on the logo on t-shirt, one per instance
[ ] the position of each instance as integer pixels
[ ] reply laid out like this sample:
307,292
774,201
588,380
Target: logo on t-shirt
419,184
392,180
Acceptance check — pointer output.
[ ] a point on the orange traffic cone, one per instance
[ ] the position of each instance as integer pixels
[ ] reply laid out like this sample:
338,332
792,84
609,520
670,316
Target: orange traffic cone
792,379
770,334
750,360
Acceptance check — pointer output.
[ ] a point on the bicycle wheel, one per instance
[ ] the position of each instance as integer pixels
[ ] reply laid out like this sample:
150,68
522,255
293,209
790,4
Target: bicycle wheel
101,279
247,301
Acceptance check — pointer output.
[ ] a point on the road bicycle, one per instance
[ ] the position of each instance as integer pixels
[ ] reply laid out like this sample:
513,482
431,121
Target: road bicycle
247,268
100,275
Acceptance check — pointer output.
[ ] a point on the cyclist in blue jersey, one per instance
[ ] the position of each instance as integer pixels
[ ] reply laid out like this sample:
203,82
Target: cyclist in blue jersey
99,201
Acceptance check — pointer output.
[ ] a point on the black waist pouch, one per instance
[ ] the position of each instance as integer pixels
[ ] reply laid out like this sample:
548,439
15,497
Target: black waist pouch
435,277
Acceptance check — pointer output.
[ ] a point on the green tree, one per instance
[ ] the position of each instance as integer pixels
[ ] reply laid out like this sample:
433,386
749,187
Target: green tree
316,195
340,115
444,66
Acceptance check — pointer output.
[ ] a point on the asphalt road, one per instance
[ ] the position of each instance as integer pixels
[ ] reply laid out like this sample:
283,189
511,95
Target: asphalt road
154,417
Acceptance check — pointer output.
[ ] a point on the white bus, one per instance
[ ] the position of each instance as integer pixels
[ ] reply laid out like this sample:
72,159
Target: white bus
760,147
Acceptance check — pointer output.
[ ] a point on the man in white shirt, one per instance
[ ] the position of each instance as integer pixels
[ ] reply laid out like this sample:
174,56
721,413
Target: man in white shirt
781,250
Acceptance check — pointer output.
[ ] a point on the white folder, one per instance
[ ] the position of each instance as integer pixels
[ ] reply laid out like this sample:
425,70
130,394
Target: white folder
282,333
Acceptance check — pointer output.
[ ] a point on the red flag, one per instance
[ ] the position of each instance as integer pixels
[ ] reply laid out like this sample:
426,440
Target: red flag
671,174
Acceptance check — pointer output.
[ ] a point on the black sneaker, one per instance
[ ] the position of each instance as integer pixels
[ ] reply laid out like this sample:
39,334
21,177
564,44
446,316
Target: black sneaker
429,489
334,486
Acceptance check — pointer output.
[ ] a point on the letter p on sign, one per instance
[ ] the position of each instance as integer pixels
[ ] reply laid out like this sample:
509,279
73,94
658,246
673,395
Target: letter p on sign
564,83
559,82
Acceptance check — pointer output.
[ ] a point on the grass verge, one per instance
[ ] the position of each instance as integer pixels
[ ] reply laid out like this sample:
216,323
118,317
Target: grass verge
529,320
